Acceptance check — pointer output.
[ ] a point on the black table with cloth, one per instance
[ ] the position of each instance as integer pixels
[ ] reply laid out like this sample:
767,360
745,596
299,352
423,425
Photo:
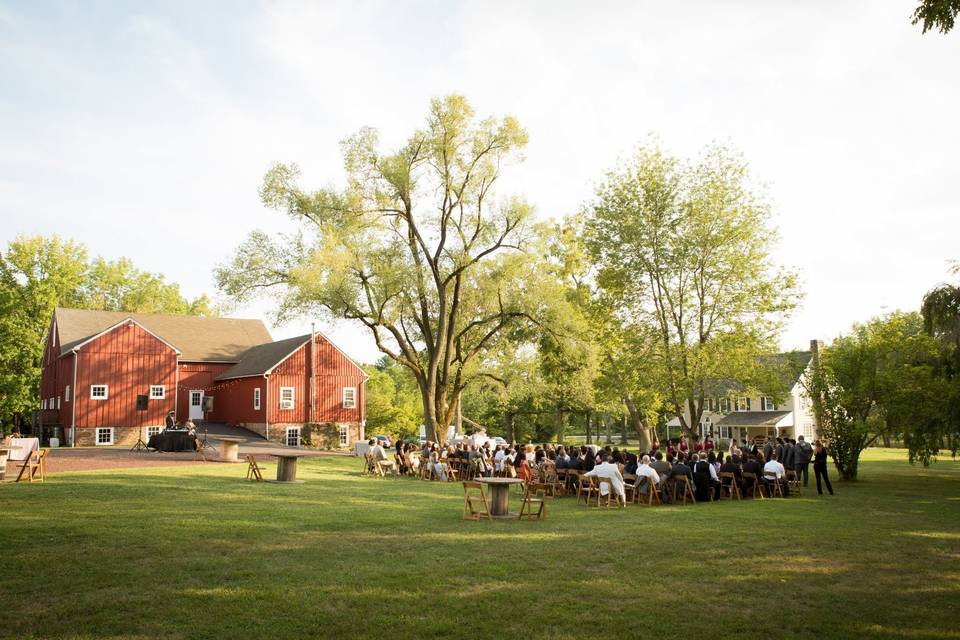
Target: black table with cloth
173,441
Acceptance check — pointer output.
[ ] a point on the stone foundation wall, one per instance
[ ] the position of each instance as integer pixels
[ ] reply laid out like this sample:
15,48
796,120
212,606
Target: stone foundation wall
126,436
324,436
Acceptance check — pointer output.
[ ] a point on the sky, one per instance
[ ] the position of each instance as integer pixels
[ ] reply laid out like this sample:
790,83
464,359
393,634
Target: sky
144,129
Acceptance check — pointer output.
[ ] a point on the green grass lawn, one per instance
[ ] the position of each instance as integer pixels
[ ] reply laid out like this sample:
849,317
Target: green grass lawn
196,552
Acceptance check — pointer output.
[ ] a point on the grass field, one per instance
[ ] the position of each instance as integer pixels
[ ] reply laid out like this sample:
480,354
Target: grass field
196,552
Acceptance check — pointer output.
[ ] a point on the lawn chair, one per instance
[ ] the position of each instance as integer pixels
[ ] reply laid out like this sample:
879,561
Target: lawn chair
473,499
752,483
728,484
630,487
588,490
793,479
652,494
373,467
253,469
774,484
537,499
686,493
610,492
34,466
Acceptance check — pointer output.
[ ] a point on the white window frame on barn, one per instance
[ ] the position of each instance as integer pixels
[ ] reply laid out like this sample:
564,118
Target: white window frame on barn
66,394
767,404
294,434
288,403
108,431
58,403
256,399
158,392
95,396
352,402
43,404
344,435
153,431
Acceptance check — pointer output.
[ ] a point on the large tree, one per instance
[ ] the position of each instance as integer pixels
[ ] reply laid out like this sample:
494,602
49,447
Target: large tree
879,379
937,14
416,248
38,274
683,253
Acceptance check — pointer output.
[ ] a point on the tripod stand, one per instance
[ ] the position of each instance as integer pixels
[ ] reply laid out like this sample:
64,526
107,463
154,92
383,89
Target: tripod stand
203,442
141,445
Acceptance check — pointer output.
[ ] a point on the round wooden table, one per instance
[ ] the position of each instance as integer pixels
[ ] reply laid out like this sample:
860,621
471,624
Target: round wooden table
287,467
229,448
500,494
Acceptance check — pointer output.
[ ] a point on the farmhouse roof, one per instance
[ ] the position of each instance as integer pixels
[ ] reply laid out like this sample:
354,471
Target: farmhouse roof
752,418
198,338
262,358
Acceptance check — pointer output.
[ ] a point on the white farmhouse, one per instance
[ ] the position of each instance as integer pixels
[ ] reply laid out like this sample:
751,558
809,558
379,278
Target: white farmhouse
747,416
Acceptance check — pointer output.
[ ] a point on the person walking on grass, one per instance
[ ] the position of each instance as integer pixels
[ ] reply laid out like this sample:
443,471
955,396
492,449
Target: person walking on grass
820,467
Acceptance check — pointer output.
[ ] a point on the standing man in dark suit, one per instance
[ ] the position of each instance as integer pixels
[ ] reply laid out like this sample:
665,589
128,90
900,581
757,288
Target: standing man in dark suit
171,421
803,453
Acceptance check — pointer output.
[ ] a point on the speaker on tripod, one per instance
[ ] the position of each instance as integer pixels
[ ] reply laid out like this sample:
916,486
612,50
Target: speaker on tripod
141,406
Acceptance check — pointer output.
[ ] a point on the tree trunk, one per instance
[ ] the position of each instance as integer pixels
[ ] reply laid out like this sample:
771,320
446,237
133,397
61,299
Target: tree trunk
886,441
560,426
608,436
511,436
587,423
623,430
640,426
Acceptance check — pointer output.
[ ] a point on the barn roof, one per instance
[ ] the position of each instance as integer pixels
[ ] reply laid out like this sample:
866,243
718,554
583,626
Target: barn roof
198,338
263,358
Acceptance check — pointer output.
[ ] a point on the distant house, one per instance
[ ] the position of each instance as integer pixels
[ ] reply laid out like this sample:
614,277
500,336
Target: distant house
733,414
222,370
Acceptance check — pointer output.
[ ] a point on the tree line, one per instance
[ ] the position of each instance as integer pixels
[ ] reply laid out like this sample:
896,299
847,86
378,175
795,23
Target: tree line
659,290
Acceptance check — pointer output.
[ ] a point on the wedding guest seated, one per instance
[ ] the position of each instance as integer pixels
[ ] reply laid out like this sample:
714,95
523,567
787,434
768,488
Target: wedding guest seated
613,479
732,467
773,472
706,479
644,470
630,464
680,469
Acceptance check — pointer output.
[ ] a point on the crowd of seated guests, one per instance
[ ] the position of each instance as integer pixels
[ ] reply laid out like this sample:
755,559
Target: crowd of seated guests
700,463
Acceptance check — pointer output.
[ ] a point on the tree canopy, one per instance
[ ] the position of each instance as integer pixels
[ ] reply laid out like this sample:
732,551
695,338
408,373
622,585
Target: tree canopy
937,14
417,248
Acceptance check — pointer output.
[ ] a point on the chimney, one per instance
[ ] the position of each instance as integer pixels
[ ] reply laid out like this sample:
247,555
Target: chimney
816,348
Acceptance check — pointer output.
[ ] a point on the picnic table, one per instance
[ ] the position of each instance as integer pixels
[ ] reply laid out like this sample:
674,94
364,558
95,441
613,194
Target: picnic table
287,467
500,494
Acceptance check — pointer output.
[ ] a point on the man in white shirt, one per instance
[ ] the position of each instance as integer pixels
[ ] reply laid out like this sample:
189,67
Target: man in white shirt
646,471
498,459
381,456
773,471
611,479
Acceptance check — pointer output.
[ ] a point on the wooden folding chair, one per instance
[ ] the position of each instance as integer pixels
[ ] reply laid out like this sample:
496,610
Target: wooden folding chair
3,466
752,483
473,499
630,487
253,469
652,494
537,499
198,454
453,469
728,484
774,484
34,466
588,490
686,493
610,493
793,478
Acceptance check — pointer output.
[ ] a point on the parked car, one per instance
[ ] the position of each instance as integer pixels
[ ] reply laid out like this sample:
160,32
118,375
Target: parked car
384,440
499,441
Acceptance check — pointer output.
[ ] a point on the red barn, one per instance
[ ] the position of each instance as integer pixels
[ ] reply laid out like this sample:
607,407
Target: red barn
96,363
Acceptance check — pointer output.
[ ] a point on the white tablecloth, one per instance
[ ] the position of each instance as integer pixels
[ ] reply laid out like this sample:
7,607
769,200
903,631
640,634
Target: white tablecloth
26,446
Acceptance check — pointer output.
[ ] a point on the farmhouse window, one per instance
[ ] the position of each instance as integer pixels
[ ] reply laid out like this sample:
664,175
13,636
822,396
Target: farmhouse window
256,399
724,405
349,397
158,392
766,403
152,431
99,392
66,394
286,397
104,435
293,436
743,403
344,435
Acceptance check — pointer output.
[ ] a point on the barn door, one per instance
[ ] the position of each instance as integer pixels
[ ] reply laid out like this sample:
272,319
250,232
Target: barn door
196,405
